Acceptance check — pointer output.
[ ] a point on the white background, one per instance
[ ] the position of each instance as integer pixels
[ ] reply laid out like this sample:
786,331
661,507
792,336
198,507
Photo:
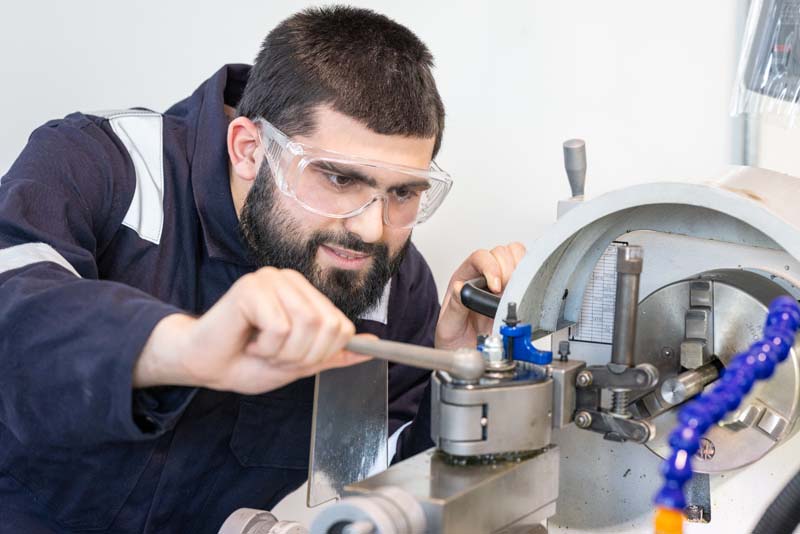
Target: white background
646,83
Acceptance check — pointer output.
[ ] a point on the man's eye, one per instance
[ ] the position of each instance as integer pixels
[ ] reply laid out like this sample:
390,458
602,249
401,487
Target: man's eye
405,194
340,181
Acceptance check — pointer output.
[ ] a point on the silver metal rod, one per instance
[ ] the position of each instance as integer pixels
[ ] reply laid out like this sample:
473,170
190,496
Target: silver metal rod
626,307
466,364
686,385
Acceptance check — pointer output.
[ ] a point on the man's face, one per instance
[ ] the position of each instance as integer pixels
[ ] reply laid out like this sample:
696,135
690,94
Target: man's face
349,260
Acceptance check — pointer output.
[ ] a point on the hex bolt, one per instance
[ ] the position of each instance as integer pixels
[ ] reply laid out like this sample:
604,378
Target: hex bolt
583,419
584,379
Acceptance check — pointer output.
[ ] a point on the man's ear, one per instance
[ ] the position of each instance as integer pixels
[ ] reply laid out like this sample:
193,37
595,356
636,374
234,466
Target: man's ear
243,145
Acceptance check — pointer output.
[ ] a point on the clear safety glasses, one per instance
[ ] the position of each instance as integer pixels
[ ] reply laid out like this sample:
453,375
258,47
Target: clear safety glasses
341,186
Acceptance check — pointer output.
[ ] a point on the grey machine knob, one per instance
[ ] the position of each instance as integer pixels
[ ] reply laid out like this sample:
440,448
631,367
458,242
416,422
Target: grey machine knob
575,165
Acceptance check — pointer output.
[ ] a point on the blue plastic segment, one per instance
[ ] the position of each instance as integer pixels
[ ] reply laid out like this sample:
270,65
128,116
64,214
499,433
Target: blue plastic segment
517,343
758,363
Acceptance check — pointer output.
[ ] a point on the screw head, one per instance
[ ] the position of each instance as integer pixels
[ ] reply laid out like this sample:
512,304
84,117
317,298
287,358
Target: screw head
707,449
584,379
667,353
583,419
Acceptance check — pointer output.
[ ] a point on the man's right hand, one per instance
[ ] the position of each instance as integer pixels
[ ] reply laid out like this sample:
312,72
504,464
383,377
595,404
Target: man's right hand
271,328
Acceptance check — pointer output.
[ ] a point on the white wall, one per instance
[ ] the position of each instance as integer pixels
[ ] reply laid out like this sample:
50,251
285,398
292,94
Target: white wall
647,84
776,145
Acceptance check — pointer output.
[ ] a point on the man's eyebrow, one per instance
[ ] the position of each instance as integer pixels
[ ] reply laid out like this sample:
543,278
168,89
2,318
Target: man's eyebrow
413,184
350,173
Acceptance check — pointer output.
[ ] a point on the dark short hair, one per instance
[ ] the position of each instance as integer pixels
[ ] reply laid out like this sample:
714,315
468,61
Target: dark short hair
359,62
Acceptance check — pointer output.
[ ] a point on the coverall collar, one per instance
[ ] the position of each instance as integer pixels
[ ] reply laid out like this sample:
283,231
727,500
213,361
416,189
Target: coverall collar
208,156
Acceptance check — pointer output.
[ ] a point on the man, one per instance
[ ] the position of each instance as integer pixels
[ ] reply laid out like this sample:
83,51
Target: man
170,284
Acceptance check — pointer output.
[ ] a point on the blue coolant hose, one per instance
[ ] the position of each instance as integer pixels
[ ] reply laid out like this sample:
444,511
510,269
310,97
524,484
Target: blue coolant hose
697,416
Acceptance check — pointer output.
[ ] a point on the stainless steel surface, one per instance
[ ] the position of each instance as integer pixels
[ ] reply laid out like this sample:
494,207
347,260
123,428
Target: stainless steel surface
349,431
493,416
767,415
615,376
509,496
252,521
564,375
686,229
696,349
629,268
698,498
466,364
384,510
494,355
686,385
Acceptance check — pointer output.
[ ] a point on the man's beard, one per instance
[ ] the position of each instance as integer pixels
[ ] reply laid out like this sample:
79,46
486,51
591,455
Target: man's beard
268,233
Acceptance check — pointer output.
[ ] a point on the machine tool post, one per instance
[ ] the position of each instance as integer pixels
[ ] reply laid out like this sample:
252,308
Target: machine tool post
464,364
626,308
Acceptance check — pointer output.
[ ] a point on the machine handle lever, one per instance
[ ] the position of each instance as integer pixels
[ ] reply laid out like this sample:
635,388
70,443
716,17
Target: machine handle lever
465,364
476,297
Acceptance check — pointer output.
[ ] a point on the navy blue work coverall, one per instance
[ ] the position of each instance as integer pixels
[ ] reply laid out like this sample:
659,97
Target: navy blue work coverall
107,225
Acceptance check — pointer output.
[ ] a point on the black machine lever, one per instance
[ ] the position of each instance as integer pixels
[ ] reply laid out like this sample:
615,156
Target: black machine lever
476,296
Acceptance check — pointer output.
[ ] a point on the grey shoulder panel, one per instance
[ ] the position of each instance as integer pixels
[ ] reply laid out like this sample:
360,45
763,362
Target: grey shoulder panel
141,132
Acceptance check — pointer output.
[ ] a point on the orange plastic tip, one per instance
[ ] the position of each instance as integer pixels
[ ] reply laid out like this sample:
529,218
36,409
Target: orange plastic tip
668,521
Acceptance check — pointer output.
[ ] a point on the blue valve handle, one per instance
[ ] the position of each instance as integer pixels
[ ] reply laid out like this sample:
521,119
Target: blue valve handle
697,416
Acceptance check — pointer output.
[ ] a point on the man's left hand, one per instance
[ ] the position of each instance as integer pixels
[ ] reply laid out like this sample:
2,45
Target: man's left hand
458,326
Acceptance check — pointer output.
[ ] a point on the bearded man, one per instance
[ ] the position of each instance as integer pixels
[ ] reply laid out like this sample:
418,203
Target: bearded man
171,283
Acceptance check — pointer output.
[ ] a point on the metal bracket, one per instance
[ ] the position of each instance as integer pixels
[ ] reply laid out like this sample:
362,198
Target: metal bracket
611,376
615,428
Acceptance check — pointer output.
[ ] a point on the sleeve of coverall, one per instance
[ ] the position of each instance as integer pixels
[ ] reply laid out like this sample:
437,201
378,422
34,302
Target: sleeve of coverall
68,341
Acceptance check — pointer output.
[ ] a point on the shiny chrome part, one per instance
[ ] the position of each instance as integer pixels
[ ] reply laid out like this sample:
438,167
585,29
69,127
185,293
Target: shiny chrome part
678,389
386,509
629,268
251,521
698,326
564,375
767,415
348,432
465,364
493,416
474,498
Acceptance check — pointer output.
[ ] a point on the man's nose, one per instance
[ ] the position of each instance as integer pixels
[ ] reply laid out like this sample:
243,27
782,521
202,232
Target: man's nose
368,225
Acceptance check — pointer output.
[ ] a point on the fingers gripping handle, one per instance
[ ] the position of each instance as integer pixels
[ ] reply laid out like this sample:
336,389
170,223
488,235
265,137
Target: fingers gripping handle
474,295
466,364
